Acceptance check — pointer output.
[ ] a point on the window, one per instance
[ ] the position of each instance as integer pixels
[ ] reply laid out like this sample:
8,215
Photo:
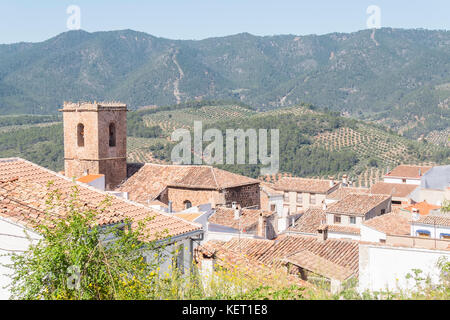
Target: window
337,219
112,135
423,233
383,211
80,135
353,220
404,180
273,207
286,196
445,236
313,198
299,197
187,204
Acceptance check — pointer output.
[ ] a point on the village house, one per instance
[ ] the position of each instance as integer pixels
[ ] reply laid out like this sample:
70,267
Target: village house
308,223
344,217
300,194
401,192
272,200
330,262
343,191
24,189
184,186
408,174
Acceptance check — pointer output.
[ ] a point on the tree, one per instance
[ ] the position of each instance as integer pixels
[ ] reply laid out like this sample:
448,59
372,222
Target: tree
79,259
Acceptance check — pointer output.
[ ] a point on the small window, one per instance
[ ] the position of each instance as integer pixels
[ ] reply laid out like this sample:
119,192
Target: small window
80,135
299,197
337,219
286,196
423,233
313,198
353,220
404,180
383,211
187,204
112,135
445,236
273,207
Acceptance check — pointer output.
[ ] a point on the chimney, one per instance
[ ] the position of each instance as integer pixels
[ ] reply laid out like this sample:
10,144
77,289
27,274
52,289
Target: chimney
415,214
331,181
344,180
170,206
237,212
261,232
324,206
322,233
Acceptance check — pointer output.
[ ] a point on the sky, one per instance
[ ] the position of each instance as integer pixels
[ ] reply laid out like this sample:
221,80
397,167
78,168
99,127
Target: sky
38,20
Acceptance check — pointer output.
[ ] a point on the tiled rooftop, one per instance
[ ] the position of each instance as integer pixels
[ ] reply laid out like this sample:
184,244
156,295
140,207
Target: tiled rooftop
309,222
408,171
356,204
231,259
315,263
25,187
341,228
344,253
401,190
393,223
304,185
249,217
340,193
423,207
438,219
147,183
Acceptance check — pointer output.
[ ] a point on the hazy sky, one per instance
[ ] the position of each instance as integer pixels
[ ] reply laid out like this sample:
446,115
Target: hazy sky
37,20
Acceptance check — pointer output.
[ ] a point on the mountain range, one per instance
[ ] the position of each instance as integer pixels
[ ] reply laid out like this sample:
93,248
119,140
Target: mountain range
395,76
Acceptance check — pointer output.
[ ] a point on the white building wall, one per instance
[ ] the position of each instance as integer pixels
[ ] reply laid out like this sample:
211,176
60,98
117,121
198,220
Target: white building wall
372,235
382,268
341,235
400,180
225,236
13,239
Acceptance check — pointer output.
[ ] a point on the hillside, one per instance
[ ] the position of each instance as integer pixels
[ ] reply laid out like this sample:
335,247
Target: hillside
397,77
313,142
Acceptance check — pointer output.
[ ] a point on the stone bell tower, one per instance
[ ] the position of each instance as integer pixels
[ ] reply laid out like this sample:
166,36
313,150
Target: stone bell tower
95,140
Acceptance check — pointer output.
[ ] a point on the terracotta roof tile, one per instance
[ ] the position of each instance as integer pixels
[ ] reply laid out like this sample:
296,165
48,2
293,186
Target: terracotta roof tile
309,222
423,207
341,228
23,197
357,204
344,253
439,219
147,183
248,218
393,223
340,193
312,262
408,171
401,190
